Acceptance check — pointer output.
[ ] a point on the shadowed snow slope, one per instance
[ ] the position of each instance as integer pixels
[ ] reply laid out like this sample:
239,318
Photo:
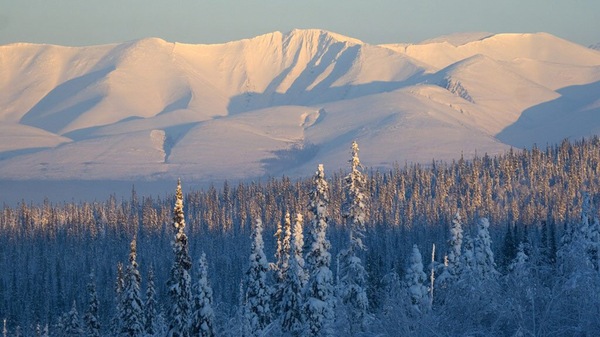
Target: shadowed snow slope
281,103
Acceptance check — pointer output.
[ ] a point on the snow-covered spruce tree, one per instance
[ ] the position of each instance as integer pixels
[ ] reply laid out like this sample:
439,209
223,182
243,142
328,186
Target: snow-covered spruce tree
444,278
72,325
257,310
456,238
91,319
468,264
577,272
319,296
518,267
509,247
291,306
484,256
179,283
116,323
132,315
279,253
352,274
282,255
203,317
297,245
586,213
415,279
151,305
355,208
580,243
590,232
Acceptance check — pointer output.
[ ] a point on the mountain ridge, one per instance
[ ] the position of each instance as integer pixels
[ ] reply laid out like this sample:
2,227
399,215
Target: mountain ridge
215,111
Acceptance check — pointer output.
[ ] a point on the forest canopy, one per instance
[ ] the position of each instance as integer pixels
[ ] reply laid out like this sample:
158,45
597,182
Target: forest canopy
517,250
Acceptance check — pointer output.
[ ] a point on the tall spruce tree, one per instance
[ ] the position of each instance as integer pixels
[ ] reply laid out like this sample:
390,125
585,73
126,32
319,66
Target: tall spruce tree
116,322
319,303
352,285
592,235
257,310
132,315
468,264
279,253
282,256
319,297
292,315
518,267
72,325
509,248
151,305
203,317
91,319
355,207
456,238
179,283
484,256
415,282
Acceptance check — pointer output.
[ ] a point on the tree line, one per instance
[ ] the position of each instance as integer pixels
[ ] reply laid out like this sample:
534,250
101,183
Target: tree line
526,245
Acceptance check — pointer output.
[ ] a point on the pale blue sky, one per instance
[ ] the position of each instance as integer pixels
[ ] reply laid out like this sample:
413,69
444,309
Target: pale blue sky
87,22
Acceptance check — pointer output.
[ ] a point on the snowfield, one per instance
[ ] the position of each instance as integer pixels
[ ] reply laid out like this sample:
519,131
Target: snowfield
281,103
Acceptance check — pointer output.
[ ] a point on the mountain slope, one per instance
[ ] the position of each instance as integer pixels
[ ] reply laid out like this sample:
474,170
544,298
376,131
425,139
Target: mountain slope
281,103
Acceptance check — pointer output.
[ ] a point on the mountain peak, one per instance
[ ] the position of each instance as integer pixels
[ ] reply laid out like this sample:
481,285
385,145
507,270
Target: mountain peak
317,34
148,41
459,39
278,103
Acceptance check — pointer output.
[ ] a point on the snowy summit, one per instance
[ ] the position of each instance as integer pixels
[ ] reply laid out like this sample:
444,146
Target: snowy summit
281,103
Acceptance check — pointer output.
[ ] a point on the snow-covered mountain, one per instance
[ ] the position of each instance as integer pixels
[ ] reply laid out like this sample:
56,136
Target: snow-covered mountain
281,103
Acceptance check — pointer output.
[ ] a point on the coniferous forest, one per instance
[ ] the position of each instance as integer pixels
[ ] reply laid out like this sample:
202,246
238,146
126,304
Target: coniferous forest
507,245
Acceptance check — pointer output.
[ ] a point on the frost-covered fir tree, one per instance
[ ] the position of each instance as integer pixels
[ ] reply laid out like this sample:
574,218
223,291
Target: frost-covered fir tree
282,255
72,325
180,283
586,213
355,208
291,304
132,315
590,232
116,323
91,319
444,278
203,317
484,256
518,267
257,310
151,306
456,238
352,284
279,252
319,299
415,279
297,245
468,258
580,243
